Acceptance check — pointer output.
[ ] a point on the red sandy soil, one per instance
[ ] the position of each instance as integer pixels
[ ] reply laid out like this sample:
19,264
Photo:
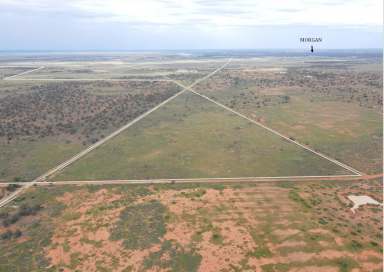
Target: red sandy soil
232,214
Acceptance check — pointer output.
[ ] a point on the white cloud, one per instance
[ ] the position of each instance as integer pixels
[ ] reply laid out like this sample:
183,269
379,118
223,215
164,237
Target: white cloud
208,13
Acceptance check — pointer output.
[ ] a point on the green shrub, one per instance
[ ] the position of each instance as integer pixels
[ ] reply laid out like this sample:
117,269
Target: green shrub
12,187
10,234
346,264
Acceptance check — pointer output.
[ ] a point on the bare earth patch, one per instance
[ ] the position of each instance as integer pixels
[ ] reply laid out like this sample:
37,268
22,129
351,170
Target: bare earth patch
249,228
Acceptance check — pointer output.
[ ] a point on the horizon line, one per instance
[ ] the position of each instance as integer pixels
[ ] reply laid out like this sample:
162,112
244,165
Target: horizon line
188,49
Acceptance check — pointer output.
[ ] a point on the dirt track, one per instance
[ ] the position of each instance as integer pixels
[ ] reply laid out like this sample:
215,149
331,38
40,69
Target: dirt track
203,180
61,166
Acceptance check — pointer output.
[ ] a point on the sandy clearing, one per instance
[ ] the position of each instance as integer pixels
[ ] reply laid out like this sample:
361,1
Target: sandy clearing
315,268
293,244
220,225
73,236
180,232
285,233
303,257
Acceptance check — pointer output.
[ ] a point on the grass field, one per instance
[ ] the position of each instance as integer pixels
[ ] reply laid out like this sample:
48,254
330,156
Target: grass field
245,227
277,92
350,133
336,113
191,137
25,160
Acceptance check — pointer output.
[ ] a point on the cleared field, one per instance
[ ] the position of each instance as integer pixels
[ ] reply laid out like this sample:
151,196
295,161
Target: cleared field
348,132
190,137
186,71
246,227
108,71
6,71
44,124
334,107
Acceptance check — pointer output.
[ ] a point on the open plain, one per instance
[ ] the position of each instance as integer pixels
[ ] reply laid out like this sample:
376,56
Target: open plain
203,133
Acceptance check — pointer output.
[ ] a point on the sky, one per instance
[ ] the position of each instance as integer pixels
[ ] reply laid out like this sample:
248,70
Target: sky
188,24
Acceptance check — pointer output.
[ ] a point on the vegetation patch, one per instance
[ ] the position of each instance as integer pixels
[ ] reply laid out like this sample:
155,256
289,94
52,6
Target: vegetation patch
43,124
173,257
140,225
29,228
194,194
334,110
191,137
263,227
261,252
346,264
294,195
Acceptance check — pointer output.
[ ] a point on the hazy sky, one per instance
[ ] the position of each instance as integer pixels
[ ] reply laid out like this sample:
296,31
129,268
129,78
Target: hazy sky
188,24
